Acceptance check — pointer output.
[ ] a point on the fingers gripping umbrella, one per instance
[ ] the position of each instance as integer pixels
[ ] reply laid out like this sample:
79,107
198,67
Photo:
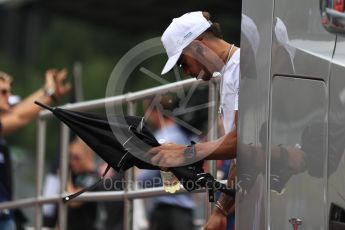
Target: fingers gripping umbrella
123,141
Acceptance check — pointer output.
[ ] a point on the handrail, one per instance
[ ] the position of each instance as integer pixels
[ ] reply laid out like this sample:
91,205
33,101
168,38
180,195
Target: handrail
128,194
98,196
121,99
95,196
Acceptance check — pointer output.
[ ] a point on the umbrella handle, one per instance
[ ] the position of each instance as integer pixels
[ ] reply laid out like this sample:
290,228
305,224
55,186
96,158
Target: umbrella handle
212,185
87,189
44,106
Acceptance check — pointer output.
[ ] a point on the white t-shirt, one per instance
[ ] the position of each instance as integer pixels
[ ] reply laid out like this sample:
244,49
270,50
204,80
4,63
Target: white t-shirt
229,91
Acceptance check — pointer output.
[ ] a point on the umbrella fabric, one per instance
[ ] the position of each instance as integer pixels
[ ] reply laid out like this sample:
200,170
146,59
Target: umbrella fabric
122,141
96,132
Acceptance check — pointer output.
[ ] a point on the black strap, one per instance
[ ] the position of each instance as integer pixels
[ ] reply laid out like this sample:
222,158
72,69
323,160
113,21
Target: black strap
87,189
212,185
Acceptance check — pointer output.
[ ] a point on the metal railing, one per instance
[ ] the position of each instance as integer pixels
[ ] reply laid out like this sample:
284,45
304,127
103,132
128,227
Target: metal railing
129,192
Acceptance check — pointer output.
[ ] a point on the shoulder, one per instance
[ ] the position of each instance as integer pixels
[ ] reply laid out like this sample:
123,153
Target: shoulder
234,61
232,69
235,58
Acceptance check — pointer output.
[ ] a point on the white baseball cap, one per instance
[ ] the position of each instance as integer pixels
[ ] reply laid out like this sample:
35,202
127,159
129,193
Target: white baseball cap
180,33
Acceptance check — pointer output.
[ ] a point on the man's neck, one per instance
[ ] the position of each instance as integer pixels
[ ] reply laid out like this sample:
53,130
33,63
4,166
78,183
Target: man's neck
220,47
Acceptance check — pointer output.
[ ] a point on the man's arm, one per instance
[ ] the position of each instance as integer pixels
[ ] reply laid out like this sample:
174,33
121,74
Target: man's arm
221,149
23,113
225,206
26,111
169,155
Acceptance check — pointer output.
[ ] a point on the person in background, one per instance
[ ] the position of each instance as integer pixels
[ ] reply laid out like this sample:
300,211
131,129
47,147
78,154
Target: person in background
81,215
113,209
166,212
13,118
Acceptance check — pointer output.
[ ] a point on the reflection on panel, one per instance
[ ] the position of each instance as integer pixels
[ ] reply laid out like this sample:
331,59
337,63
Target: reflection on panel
298,137
336,147
333,15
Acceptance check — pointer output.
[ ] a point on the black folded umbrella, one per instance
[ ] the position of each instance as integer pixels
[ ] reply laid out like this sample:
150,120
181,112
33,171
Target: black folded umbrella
122,142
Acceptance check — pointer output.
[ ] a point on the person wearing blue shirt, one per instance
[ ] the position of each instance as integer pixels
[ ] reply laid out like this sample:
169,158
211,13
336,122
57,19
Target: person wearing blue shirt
15,117
166,212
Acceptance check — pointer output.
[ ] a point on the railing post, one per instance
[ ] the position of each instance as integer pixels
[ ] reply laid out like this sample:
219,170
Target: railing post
213,97
129,183
41,144
64,138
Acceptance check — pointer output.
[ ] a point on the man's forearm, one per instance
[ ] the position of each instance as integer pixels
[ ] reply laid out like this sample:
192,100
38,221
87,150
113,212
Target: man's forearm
227,202
220,149
172,155
24,112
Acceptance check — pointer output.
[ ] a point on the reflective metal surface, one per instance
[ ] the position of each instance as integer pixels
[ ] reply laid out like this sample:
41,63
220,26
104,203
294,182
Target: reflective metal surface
285,40
336,148
333,15
308,46
295,222
252,201
298,150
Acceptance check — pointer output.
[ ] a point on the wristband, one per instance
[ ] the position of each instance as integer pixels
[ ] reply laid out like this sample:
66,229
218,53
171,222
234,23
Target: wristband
190,152
49,92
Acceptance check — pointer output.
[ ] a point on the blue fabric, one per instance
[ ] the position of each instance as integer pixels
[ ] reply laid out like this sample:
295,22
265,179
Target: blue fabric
5,172
152,178
231,222
4,195
172,133
225,169
7,224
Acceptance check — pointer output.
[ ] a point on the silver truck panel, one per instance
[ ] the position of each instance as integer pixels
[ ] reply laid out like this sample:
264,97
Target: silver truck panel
251,202
314,45
285,38
298,123
336,161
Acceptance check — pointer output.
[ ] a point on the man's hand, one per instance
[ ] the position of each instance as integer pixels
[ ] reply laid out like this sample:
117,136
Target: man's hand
217,221
168,155
296,160
55,81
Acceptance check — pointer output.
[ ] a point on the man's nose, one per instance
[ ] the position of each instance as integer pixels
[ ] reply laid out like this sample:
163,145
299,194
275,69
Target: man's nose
7,96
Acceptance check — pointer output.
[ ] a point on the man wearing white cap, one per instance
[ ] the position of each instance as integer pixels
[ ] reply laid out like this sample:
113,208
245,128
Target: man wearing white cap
195,44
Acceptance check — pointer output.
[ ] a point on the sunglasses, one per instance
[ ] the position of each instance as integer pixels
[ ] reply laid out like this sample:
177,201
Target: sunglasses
5,92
